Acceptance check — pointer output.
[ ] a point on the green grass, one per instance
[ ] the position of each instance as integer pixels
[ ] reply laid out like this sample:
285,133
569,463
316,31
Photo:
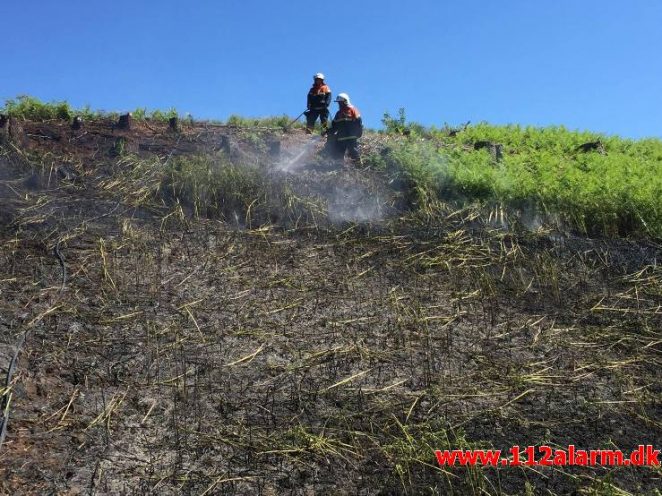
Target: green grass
214,187
30,108
142,114
239,193
27,107
542,172
282,121
616,193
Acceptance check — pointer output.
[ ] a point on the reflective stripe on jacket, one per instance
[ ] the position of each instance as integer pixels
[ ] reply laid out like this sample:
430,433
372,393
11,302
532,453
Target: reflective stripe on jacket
319,97
347,124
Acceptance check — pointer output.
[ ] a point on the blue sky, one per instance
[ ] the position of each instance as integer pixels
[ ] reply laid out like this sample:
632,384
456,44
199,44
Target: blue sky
585,64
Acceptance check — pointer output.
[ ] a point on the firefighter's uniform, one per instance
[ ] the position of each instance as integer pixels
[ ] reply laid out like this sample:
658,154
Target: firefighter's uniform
346,129
319,99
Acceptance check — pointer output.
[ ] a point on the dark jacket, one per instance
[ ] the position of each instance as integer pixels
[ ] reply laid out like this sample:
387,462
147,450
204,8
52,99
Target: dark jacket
319,97
347,124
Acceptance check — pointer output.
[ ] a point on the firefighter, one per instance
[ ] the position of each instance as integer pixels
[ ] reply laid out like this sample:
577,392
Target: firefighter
319,99
346,129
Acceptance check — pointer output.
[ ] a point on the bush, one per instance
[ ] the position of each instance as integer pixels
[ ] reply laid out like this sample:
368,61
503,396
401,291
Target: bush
399,125
27,107
214,187
30,108
142,114
276,122
615,193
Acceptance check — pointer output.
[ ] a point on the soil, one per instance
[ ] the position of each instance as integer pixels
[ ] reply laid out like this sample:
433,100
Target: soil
169,354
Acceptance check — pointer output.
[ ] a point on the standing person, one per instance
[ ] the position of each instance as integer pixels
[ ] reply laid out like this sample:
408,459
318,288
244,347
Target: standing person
319,99
346,129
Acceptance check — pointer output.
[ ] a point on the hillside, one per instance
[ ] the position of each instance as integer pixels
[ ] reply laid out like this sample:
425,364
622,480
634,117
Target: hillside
220,309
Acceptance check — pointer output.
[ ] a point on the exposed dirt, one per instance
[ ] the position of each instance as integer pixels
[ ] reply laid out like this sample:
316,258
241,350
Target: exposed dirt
175,355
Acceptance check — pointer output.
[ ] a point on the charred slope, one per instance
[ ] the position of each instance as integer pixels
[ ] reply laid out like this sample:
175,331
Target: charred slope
173,346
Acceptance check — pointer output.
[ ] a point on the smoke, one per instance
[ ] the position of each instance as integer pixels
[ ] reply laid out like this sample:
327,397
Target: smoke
534,218
354,204
313,176
531,218
295,158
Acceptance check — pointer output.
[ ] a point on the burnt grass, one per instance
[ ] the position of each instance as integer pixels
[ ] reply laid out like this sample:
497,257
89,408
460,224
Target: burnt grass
168,353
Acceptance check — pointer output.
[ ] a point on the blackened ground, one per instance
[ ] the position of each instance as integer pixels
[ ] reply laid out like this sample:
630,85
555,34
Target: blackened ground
189,356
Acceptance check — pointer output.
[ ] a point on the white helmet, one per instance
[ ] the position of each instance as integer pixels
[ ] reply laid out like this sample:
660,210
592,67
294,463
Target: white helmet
319,75
342,98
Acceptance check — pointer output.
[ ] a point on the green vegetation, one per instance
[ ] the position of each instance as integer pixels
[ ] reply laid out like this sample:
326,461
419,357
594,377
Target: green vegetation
210,186
27,107
399,124
615,190
243,194
198,289
214,187
142,114
282,121
541,174
30,108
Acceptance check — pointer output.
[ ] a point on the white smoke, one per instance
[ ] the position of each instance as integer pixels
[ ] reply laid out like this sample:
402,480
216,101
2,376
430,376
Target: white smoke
355,204
347,200
296,157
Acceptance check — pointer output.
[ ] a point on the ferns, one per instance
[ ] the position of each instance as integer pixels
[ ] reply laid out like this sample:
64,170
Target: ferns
27,107
615,193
